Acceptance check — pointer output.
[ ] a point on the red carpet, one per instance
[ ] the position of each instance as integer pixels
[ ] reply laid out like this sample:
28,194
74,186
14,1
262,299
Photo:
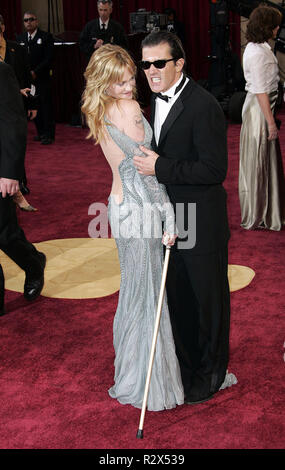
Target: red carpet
56,359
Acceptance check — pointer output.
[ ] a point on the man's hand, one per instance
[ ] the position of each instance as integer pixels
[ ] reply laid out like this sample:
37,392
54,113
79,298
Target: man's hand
8,186
98,43
146,165
32,113
25,91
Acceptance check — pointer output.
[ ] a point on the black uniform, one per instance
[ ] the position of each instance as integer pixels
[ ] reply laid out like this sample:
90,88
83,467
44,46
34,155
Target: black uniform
40,53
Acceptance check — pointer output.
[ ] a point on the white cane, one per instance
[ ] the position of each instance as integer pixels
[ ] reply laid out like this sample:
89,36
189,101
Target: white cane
154,340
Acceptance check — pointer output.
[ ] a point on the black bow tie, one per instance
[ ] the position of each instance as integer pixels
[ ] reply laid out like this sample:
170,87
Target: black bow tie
167,98
162,97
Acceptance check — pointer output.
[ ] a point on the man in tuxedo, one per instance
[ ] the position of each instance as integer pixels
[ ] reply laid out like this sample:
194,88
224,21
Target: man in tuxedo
190,158
39,46
13,132
102,30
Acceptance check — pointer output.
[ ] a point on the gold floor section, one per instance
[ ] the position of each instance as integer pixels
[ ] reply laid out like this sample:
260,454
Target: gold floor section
86,268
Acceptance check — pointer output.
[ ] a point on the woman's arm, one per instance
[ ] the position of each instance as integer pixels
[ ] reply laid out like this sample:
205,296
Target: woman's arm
126,115
264,104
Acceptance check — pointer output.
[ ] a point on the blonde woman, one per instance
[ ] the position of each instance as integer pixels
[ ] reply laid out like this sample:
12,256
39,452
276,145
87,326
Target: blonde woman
137,207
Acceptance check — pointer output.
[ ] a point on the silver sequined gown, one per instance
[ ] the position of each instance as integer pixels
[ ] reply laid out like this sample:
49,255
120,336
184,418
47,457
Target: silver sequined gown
141,261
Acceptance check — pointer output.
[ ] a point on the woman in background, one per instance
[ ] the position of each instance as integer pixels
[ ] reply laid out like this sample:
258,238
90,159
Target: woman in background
261,177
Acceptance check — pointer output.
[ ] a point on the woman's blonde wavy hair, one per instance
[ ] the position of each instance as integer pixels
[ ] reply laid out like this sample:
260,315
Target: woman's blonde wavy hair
106,67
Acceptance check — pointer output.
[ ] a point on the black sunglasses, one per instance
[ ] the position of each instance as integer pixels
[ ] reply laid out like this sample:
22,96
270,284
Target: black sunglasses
29,19
159,64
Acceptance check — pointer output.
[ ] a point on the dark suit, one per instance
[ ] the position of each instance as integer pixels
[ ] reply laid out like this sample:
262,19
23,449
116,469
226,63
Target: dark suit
114,34
17,57
40,55
13,131
176,27
193,165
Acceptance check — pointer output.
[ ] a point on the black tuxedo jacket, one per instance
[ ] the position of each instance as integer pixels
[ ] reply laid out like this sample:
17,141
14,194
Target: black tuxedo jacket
16,56
13,125
114,34
40,53
193,163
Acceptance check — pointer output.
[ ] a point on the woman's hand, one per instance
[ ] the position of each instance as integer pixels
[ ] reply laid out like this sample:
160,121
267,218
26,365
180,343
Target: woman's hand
168,240
264,104
272,132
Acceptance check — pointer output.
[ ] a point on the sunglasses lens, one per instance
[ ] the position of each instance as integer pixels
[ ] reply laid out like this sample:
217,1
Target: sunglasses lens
159,64
145,65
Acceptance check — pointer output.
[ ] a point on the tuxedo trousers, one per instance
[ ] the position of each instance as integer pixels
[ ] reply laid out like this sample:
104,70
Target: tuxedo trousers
44,121
199,306
13,241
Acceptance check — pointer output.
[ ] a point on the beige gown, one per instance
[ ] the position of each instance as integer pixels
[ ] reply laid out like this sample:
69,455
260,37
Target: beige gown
261,175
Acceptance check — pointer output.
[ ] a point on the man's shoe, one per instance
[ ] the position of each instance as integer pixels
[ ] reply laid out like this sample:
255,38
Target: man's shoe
38,138
42,259
34,286
2,312
195,401
47,141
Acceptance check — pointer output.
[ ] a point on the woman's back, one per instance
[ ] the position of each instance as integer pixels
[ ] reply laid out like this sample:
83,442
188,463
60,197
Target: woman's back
126,116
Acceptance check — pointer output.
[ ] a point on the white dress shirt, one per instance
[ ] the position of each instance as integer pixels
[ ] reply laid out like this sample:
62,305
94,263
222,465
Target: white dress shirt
162,107
260,68
32,35
105,23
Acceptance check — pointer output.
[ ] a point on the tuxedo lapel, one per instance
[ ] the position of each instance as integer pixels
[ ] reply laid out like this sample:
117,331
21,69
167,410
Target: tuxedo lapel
175,111
37,36
152,115
152,110
26,39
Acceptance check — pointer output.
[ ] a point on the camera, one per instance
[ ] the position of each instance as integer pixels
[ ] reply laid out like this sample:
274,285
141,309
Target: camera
144,21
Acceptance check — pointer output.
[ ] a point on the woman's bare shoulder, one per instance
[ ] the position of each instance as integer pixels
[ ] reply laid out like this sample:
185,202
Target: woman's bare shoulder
123,113
128,107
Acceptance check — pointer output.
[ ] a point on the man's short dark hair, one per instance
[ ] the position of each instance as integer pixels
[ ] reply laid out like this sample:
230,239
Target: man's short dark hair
1,19
165,37
31,13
